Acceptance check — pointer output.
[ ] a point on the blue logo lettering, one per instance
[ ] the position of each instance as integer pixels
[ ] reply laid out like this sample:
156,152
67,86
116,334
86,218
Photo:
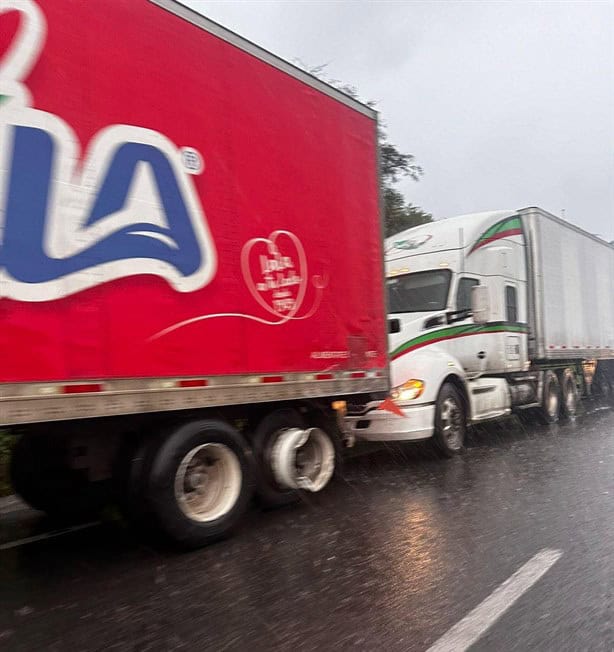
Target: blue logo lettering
129,209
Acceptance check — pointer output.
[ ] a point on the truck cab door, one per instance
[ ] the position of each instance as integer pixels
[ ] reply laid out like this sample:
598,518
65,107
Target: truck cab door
470,349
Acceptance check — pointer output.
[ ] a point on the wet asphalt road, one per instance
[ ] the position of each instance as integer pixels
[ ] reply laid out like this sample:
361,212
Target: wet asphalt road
394,553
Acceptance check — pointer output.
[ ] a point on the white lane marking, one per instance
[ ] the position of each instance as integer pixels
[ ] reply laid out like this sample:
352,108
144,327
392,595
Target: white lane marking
468,630
47,535
11,504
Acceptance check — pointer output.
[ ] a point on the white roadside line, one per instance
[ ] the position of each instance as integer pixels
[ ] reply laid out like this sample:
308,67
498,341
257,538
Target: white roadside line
468,630
10,504
47,535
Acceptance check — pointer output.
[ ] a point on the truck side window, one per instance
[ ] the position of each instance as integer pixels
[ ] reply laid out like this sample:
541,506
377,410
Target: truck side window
463,294
510,303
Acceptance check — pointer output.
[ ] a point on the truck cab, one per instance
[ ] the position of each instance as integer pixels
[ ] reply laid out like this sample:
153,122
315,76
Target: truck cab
457,309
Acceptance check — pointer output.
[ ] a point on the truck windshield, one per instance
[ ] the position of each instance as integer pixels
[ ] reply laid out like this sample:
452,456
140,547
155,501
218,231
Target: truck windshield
419,292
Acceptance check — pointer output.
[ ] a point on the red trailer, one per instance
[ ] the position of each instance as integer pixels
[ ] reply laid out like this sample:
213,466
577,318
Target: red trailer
190,264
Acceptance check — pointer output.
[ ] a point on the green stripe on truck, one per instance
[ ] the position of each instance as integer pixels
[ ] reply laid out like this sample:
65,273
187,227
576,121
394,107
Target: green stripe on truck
454,332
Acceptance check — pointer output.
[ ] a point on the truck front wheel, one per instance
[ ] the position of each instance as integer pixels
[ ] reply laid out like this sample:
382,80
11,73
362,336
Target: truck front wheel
197,483
450,422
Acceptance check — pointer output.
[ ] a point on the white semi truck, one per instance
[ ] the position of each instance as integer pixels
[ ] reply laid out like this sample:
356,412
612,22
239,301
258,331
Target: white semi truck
489,314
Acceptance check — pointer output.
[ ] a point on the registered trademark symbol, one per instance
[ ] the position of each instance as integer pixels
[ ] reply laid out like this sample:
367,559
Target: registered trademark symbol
192,160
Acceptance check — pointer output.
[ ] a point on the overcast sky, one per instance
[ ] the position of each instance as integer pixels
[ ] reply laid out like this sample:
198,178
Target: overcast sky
504,104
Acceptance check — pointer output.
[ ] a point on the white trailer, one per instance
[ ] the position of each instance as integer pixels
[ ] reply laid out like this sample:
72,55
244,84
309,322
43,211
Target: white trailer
491,313
571,290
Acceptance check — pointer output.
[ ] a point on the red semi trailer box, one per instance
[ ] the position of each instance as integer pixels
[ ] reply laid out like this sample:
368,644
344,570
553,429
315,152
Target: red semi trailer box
186,220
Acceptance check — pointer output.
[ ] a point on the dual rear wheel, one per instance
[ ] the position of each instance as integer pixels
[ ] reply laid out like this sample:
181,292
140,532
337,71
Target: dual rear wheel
193,483
559,397
189,484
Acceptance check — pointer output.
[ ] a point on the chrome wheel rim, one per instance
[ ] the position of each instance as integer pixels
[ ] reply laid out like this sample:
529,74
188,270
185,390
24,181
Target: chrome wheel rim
452,423
208,482
570,401
552,403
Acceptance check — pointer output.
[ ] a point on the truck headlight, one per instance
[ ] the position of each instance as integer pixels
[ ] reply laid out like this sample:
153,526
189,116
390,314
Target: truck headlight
408,391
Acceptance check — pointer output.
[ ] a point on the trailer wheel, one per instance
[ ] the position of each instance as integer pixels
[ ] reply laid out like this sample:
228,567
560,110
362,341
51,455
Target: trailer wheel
130,481
602,386
549,411
42,478
270,494
197,482
569,394
450,422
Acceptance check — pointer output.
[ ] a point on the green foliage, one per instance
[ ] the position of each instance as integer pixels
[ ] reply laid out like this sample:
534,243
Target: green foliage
398,213
7,442
401,215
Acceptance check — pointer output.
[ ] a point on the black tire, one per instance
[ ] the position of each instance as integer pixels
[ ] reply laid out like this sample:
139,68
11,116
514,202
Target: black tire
270,494
130,481
550,409
450,422
603,387
569,394
41,477
156,481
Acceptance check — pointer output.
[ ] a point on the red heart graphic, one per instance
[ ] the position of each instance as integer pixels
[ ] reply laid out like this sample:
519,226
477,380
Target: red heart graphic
275,271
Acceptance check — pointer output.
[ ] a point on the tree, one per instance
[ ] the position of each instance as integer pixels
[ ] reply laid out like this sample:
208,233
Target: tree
399,214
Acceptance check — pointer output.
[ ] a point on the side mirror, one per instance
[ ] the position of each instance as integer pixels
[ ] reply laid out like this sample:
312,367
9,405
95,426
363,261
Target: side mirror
480,304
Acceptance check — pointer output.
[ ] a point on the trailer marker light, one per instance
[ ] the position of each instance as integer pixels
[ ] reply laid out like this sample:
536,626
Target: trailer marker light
192,382
358,374
85,388
340,406
324,377
272,379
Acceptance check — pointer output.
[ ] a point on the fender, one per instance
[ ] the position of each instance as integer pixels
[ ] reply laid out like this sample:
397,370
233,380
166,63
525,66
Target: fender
432,365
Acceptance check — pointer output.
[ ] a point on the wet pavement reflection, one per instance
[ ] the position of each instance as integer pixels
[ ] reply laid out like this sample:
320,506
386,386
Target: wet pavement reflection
401,547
